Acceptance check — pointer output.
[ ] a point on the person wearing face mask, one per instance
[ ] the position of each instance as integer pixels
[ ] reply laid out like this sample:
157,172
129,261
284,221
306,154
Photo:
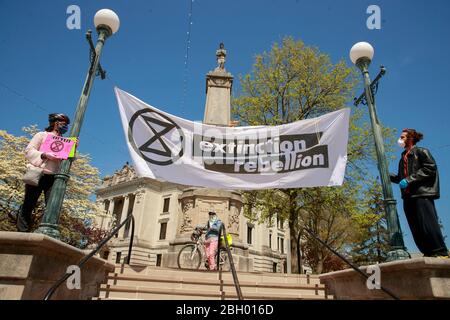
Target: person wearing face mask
418,179
212,239
58,125
212,230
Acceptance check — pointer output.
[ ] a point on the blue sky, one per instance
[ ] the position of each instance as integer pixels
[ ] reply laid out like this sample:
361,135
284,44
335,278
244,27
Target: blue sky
43,64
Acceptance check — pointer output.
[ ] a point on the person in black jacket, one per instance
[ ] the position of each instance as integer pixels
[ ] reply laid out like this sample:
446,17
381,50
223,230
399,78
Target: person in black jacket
418,179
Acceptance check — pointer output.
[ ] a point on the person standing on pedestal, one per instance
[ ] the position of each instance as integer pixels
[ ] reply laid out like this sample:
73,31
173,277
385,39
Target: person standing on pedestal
58,125
418,179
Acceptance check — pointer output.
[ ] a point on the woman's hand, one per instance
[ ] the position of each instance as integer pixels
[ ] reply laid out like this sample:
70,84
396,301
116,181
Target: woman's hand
49,156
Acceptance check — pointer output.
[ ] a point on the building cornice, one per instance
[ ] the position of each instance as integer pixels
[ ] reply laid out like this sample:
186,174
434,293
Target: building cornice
139,184
193,192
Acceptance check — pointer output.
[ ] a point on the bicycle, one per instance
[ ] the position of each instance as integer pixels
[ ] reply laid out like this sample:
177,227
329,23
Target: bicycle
192,255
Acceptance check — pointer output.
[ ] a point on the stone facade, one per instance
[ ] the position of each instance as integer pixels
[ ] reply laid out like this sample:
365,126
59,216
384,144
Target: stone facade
166,213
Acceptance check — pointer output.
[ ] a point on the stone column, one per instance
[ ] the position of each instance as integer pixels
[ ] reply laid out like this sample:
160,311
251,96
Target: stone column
111,207
110,214
233,218
124,214
218,93
100,219
132,200
186,221
138,210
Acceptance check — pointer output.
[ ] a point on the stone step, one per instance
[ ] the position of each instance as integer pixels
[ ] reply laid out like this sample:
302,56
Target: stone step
132,292
204,284
203,274
144,282
141,268
117,299
181,282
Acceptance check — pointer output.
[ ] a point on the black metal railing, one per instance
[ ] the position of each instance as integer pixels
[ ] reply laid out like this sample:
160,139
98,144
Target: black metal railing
113,232
354,267
232,267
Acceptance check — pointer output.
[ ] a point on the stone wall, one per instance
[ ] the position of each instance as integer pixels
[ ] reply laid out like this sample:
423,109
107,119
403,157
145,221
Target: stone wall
31,263
420,278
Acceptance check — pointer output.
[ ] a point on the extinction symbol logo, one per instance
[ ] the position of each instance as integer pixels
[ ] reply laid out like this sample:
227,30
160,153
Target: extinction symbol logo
57,146
155,149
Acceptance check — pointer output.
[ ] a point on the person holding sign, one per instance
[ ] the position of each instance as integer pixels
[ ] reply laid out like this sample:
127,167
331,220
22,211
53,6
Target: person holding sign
57,146
49,160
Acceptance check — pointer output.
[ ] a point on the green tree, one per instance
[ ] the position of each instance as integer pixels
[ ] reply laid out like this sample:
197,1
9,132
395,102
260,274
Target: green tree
293,82
372,237
78,210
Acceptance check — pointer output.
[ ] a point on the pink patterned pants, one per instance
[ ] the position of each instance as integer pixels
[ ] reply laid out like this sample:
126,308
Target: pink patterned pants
211,252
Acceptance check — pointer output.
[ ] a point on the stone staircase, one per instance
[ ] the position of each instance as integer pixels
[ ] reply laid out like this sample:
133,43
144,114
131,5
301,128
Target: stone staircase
155,283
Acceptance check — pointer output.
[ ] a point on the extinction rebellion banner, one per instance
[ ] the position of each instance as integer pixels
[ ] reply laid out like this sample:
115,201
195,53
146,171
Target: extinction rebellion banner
307,153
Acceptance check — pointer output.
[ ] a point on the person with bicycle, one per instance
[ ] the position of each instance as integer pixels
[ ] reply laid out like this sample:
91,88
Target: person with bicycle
212,230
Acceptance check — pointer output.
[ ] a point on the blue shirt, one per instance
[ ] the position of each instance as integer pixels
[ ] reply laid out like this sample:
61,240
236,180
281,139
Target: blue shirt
213,229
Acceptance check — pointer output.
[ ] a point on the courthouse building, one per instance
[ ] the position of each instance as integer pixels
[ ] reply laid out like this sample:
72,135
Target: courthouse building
166,213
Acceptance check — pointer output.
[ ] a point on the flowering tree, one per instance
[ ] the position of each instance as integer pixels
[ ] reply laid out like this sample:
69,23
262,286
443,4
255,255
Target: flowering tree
78,212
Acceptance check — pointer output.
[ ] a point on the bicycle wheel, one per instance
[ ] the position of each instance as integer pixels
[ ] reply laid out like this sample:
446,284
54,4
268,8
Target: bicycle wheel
189,257
223,260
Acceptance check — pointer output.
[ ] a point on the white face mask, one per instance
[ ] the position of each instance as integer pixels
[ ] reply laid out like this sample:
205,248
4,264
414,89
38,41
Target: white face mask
401,143
212,219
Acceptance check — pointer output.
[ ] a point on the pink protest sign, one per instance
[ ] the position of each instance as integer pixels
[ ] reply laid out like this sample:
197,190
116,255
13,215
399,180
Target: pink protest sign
58,146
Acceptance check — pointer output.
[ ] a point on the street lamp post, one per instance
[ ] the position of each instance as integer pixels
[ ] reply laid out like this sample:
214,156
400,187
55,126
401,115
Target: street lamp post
107,23
361,55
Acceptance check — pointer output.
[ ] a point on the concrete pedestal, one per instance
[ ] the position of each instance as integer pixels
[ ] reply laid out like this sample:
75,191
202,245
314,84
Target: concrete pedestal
31,263
420,278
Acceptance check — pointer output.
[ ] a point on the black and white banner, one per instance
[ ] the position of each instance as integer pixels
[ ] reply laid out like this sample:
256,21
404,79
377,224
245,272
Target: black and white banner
307,153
